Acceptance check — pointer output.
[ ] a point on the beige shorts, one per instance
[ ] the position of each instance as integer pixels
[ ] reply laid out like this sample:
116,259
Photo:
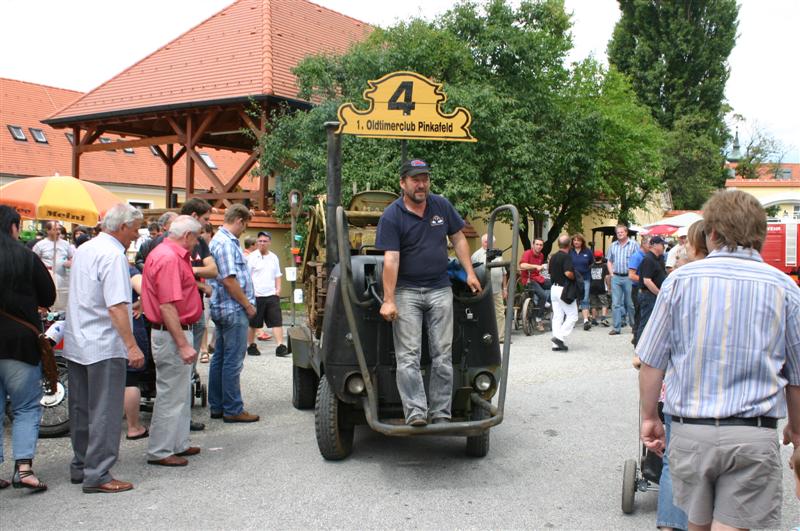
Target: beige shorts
731,474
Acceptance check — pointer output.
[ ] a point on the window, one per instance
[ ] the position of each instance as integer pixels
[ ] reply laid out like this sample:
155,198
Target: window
208,160
141,205
796,212
153,150
38,135
70,138
17,133
106,140
128,150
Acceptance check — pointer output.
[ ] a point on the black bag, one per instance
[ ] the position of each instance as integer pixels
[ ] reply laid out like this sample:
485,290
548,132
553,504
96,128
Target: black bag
573,289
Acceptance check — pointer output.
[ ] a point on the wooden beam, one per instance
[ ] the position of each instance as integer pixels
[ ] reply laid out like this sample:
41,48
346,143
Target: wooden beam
170,169
241,172
162,155
209,117
250,123
76,155
228,195
206,170
175,127
92,134
180,153
121,144
189,164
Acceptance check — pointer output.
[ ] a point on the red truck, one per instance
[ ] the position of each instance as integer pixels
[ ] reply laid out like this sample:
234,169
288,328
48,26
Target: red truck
782,247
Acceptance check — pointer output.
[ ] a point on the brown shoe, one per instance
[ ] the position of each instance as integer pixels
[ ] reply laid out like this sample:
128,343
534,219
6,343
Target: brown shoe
244,416
192,450
170,460
111,487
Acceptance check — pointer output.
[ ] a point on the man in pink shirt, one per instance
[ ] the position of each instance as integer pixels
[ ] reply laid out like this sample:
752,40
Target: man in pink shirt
172,305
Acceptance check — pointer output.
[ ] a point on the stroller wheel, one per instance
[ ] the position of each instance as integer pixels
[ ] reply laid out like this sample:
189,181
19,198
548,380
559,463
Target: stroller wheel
628,486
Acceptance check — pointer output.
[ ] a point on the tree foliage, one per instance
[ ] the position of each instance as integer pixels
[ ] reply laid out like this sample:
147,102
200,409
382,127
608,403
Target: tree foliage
676,54
552,140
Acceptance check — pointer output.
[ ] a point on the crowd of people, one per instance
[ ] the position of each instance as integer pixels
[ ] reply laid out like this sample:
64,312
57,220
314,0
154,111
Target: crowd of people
717,335
128,320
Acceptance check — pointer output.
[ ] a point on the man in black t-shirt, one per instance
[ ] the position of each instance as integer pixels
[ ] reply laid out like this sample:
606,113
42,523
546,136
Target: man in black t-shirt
651,275
565,315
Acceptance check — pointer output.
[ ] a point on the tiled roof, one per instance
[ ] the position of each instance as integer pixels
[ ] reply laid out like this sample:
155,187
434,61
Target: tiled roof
24,104
767,178
247,49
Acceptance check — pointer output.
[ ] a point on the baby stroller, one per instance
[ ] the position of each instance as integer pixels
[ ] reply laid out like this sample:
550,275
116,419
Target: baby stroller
642,475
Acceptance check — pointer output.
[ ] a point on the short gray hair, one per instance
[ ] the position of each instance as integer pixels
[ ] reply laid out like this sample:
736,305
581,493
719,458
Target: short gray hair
119,215
183,224
166,218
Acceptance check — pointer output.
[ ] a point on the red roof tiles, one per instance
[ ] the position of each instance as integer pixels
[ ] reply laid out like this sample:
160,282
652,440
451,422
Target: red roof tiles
24,104
247,49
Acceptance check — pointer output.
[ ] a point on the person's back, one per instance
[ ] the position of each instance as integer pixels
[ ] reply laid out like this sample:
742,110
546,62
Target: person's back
726,331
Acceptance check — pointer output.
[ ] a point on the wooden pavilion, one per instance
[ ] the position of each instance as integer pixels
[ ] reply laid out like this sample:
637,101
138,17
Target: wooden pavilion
212,87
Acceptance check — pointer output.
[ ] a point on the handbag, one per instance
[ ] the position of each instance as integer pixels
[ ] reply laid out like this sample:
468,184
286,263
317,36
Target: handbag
49,368
573,289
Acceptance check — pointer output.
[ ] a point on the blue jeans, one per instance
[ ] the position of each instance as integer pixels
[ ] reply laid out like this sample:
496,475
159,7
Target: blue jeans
621,301
668,515
22,383
587,281
435,308
224,390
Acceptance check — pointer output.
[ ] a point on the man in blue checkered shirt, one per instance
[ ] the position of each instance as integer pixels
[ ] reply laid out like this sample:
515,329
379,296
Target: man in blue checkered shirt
232,305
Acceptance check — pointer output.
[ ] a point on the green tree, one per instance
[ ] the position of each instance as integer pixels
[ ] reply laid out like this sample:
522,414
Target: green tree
547,134
676,54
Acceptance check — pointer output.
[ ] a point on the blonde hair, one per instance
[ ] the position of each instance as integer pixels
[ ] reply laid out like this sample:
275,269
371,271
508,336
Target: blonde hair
735,219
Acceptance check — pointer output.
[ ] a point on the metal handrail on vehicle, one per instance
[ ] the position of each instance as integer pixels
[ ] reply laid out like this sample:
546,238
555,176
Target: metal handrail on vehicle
370,402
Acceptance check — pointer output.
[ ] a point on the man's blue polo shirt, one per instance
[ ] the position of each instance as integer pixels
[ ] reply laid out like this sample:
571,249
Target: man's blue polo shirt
422,242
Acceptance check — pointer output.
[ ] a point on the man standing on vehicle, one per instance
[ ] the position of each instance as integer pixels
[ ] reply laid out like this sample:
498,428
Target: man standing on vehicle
232,305
730,377
98,343
621,286
413,234
172,305
531,266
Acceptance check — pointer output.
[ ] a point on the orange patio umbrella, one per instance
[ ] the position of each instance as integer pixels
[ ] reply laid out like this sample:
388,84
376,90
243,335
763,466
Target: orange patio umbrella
58,197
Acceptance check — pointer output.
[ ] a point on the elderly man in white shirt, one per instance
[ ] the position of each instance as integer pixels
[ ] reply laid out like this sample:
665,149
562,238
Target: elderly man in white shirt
98,344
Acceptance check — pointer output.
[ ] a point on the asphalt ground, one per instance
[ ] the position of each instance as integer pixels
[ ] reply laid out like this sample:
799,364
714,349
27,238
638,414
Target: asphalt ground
555,462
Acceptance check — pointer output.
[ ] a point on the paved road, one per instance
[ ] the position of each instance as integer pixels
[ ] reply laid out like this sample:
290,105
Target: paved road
556,462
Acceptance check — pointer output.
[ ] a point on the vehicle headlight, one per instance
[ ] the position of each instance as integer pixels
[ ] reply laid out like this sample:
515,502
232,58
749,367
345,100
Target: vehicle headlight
355,384
483,382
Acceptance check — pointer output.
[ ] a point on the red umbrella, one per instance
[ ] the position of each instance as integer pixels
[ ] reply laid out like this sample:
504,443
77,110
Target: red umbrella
661,230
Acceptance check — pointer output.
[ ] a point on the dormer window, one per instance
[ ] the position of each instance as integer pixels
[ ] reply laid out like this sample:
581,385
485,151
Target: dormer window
38,135
70,138
154,150
17,133
128,150
208,160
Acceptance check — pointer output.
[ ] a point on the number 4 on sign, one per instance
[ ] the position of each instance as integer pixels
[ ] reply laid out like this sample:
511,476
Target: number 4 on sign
407,105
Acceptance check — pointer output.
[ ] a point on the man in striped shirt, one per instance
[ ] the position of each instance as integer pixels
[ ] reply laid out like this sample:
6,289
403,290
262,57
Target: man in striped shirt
621,286
726,332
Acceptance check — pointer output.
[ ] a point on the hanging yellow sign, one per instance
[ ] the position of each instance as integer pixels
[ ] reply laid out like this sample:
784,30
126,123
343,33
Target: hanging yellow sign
405,105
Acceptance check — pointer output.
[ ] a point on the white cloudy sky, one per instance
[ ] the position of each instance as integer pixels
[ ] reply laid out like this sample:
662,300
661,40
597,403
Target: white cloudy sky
80,44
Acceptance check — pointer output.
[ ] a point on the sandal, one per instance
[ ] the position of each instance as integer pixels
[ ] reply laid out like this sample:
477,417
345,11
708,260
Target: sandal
19,475
204,357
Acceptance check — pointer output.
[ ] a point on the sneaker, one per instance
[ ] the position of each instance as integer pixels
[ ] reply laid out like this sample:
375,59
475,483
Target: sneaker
587,325
614,333
557,342
560,349
281,351
594,322
252,350
540,326
604,322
